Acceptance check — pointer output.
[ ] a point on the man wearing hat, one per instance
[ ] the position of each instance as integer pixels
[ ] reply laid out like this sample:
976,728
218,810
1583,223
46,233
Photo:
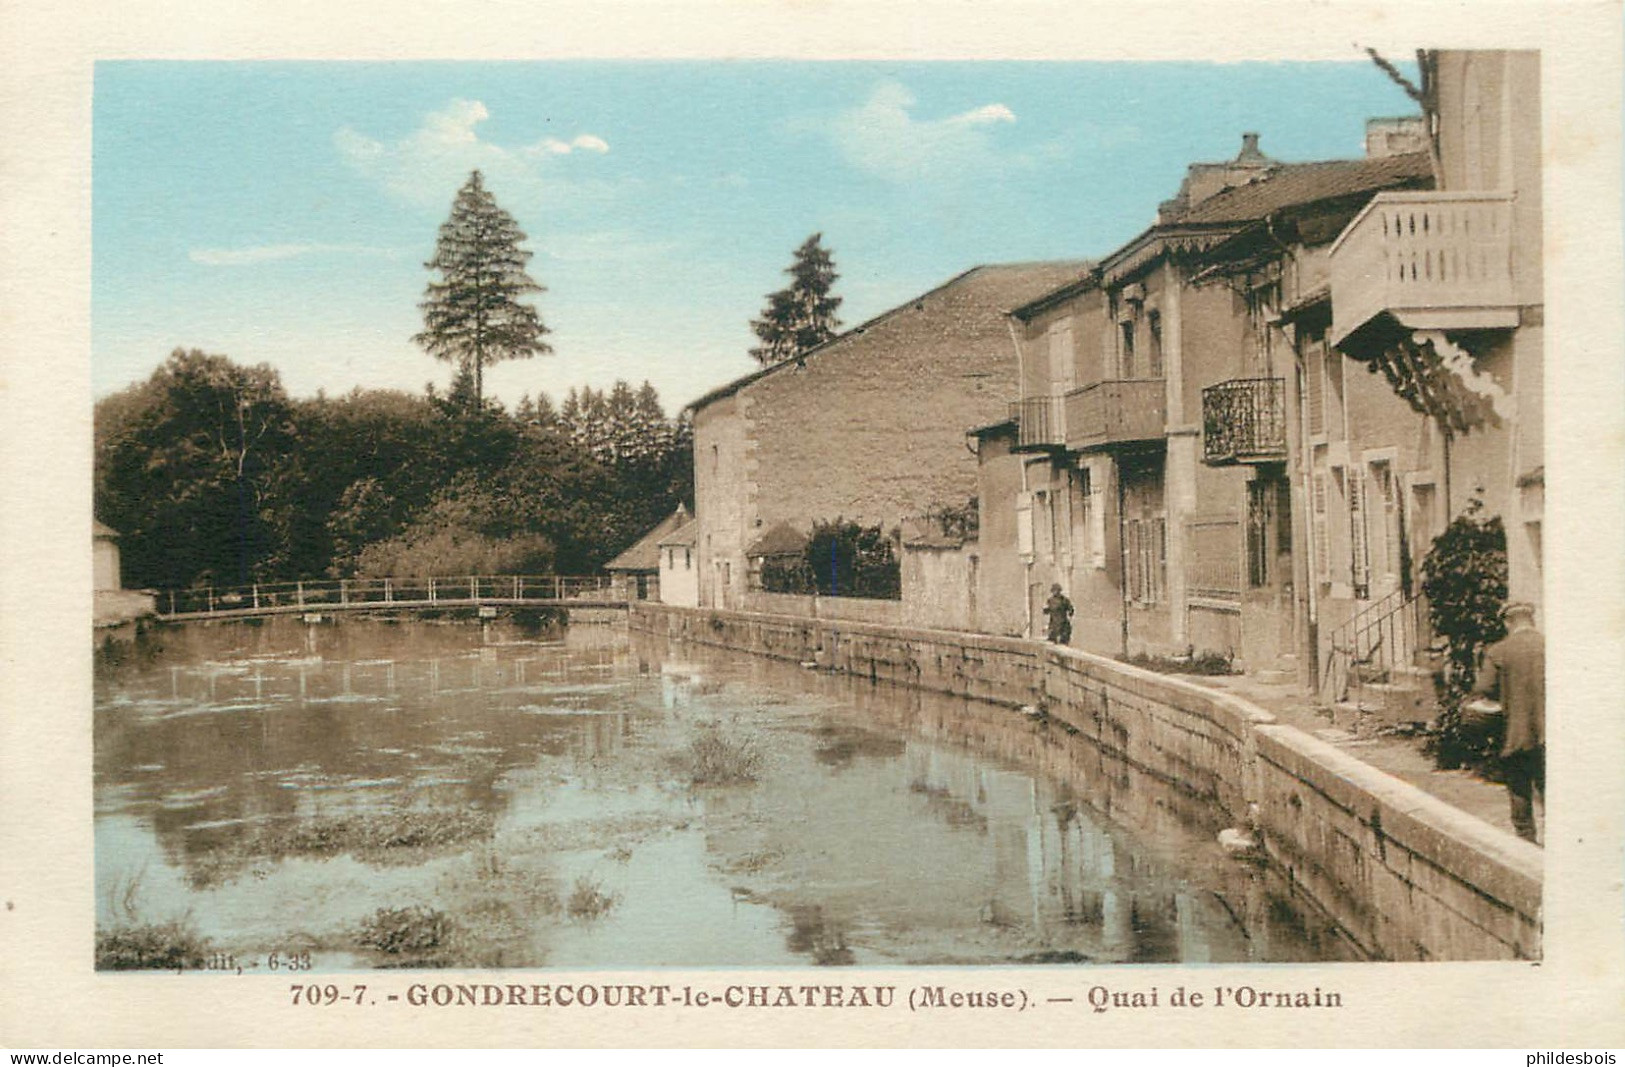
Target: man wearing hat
1514,673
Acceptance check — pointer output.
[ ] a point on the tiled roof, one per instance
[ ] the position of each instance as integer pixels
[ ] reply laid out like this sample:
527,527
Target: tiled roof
1292,184
780,540
685,536
645,554
987,292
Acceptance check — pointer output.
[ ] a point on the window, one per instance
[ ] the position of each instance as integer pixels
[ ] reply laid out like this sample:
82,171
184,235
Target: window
1154,323
1260,517
1322,533
1126,350
1359,543
1024,524
1314,385
1146,552
688,559
1062,360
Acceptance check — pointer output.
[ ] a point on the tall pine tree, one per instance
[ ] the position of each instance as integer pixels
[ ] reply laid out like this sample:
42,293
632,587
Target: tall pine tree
473,315
801,316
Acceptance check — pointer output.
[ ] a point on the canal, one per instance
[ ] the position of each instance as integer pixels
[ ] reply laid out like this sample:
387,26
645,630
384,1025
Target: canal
378,793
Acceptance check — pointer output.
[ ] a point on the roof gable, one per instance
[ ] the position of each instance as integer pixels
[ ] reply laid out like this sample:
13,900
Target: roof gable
984,292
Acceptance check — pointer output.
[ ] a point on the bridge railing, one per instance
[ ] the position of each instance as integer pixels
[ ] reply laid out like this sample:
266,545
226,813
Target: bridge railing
348,592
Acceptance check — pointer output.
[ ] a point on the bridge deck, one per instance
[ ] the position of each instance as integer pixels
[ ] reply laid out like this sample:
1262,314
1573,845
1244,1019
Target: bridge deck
393,605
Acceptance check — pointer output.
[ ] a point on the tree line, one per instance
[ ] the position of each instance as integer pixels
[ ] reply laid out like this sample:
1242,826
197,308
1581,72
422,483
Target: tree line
211,473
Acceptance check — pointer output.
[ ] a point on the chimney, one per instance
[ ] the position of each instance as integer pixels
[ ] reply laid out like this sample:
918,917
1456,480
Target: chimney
1392,137
1249,150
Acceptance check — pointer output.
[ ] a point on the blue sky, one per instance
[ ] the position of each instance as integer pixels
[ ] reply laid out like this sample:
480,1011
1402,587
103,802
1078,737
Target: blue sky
281,212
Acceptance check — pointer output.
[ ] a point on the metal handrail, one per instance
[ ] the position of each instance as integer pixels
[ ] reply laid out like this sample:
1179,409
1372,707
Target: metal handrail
351,592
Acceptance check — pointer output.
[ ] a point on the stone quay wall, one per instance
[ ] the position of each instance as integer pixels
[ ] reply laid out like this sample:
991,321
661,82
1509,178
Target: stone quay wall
1403,874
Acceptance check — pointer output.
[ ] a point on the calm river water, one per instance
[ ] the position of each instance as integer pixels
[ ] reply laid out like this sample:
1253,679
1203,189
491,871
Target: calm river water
426,794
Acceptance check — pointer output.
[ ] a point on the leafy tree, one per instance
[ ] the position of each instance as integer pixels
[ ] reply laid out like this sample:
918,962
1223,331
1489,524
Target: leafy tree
801,316
190,467
473,315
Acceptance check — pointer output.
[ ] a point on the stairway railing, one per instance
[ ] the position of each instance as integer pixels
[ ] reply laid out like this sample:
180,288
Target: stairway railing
1372,643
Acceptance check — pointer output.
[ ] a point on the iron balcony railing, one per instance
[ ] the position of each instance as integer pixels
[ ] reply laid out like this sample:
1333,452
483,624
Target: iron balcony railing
1433,260
1244,421
1119,411
1040,421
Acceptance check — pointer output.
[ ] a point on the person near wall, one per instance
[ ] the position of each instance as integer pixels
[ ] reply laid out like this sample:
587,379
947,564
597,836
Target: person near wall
1514,673
1059,611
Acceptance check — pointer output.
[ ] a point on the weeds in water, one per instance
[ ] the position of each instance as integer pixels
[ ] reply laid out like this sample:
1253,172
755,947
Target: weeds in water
402,931
171,946
588,899
714,758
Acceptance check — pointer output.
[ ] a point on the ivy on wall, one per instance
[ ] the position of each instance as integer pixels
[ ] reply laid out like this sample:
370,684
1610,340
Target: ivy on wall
1464,578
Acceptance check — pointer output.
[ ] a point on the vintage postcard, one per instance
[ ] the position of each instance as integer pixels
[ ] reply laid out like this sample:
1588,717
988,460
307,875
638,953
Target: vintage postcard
741,525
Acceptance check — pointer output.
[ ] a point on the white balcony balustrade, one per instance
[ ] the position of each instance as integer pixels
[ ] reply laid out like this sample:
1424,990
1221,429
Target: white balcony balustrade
1428,261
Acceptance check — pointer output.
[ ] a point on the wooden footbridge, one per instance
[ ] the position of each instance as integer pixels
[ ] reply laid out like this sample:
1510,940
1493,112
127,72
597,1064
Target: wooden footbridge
391,594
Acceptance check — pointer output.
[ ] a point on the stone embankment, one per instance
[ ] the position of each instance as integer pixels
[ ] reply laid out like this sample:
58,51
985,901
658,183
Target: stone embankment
1403,874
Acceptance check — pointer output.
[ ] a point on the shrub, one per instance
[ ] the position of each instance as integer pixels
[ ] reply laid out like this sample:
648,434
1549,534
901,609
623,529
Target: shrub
1464,578
851,560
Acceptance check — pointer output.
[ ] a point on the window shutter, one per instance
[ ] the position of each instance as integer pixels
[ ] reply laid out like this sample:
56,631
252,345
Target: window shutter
1323,550
1315,386
1359,544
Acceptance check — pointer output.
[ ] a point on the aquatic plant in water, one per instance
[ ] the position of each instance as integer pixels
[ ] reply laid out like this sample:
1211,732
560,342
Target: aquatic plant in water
414,929
715,758
588,899
169,946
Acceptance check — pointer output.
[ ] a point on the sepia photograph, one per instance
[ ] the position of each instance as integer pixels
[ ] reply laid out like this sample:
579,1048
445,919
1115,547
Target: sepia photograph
625,534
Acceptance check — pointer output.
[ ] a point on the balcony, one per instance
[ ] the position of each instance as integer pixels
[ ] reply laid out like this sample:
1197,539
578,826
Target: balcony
1114,413
1426,261
1041,422
1244,421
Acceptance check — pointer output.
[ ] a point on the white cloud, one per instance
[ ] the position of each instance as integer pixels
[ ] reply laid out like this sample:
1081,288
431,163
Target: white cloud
238,257
883,136
428,165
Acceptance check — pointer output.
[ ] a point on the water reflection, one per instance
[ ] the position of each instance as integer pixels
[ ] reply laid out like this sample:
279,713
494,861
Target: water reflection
527,798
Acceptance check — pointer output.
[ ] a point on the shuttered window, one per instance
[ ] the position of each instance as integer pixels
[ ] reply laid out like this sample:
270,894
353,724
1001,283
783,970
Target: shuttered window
1314,365
1322,534
1359,536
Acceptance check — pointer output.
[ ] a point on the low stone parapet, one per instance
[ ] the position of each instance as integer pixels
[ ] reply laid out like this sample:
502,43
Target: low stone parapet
1403,874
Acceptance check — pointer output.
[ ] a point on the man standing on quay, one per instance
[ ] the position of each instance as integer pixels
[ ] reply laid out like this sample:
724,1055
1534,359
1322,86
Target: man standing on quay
1059,610
1514,672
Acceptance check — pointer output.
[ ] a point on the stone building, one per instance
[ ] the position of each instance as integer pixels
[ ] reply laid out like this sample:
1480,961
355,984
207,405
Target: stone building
639,572
868,426
1153,421
1243,432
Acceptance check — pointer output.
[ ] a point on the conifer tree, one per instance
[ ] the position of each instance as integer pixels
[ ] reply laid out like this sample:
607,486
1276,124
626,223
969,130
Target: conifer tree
801,316
473,315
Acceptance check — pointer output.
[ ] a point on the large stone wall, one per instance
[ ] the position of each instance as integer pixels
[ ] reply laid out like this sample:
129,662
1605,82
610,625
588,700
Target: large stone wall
1404,875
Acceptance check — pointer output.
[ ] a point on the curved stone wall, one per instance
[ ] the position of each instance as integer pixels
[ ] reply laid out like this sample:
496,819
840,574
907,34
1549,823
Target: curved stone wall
1403,874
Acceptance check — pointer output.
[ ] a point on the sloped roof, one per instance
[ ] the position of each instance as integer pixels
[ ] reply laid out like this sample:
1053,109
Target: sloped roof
1292,184
645,554
101,529
685,536
780,540
985,291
